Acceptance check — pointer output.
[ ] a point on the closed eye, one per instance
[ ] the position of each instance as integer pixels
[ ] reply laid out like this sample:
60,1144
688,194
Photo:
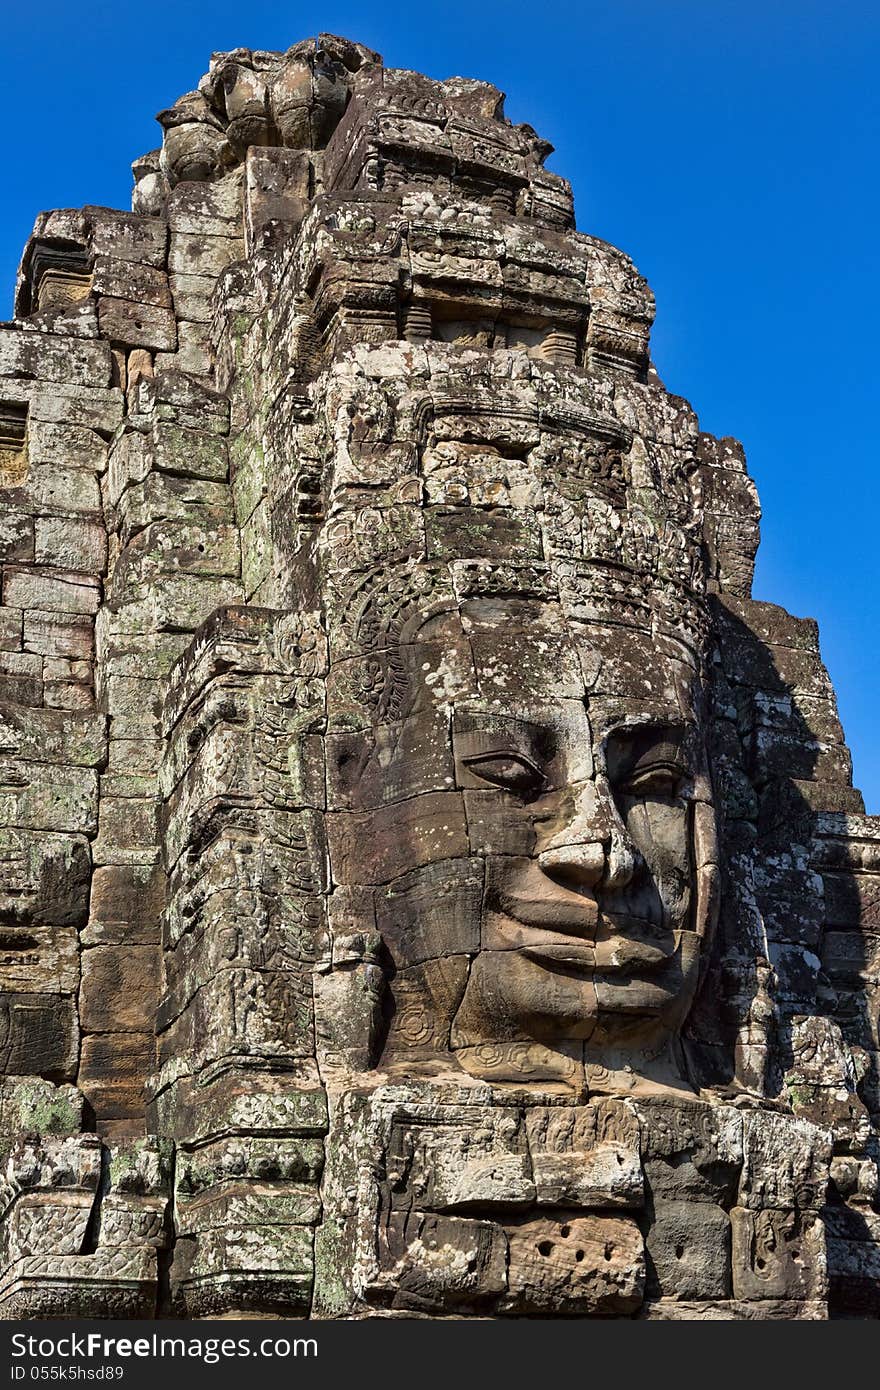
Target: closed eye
663,779
508,770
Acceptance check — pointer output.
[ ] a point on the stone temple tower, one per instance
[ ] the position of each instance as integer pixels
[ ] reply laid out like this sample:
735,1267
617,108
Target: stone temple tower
430,884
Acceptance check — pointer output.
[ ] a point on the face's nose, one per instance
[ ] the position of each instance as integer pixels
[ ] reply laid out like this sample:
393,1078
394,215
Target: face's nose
592,848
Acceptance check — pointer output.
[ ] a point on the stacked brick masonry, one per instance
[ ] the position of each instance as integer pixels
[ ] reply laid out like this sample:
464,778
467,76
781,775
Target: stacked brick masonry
118,497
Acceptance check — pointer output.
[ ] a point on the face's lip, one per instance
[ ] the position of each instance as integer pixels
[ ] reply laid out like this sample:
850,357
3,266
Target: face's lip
546,906
613,952
565,913
625,945
573,953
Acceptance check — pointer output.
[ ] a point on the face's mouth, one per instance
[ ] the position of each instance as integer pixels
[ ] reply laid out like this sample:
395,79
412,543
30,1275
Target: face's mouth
553,988
612,943
614,955
577,955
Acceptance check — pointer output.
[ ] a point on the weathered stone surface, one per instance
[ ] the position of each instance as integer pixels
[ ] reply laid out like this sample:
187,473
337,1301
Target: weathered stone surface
688,1251
137,324
58,592
120,987
417,848
43,796
40,1032
125,906
111,1071
581,1266
54,359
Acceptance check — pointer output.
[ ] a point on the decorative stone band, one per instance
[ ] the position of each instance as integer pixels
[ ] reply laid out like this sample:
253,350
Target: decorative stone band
543,484
601,593
56,273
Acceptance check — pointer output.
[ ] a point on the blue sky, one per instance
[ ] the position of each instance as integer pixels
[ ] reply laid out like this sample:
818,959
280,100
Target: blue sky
730,148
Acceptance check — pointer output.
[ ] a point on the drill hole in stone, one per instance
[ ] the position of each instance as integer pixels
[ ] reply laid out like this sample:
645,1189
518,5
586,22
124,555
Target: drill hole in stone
565,1231
545,1247
679,1251
579,1255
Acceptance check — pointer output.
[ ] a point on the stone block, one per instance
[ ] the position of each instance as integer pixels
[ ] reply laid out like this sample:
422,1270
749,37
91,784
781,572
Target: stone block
10,629
113,1070
58,591
188,453
116,278
378,847
134,324
128,237
243,1270
29,1105
21,678
45,878
44,736
201,254
67,360
67,404
39,796
126,905
73,446
16,537
66,543
59,634
54,489
41,1035
441,1264
120,988
41,960
127,832
575,1266
778,1254
193,297
688,1251
68,695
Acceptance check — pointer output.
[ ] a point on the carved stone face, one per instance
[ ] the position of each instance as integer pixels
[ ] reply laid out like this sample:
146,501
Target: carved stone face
587,935
547,784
